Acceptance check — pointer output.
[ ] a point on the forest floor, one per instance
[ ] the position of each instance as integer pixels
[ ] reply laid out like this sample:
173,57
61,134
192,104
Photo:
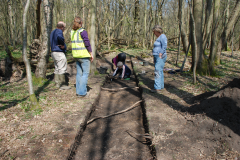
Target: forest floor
186,121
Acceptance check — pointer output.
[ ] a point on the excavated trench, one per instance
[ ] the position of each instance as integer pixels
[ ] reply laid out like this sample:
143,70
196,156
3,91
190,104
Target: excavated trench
121,135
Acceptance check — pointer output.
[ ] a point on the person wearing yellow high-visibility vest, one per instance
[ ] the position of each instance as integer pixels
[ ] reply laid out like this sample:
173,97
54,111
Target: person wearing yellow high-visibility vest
82,52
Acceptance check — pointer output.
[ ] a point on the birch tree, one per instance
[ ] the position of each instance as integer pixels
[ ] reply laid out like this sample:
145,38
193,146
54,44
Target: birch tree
33,98
93,34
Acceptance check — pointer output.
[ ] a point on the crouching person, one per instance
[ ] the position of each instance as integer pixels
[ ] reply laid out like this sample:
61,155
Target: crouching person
123,71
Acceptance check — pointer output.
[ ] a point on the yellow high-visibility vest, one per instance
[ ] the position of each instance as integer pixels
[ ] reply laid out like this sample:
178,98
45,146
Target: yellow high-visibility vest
78,48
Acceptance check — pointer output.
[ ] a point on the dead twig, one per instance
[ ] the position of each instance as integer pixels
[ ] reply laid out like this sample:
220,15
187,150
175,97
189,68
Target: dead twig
118,89
146,135
125,110
3,153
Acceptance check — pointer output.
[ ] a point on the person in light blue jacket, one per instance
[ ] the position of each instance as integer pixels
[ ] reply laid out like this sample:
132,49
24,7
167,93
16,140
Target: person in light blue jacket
160,57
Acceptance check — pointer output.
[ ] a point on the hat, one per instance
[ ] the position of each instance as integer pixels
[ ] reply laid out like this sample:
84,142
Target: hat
119,64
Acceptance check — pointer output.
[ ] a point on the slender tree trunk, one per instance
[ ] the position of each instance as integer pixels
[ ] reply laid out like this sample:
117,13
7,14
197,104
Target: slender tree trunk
180,27
145,25
225,23
38,21
232,20
197,13
136,18
194,45
160,5
183,31
11,23
208,22
213,49
45,48
33,98
83,13
92,35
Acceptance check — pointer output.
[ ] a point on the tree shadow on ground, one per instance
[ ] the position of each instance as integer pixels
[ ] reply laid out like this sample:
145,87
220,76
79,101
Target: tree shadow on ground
105,139
224,110
45,84
13,103
171,86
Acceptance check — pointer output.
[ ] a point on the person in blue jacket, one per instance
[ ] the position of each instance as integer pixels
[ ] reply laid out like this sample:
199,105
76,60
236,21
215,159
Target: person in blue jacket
58,48
160,57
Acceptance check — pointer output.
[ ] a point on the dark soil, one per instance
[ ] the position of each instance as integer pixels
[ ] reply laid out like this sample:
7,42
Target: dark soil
223,107
115,137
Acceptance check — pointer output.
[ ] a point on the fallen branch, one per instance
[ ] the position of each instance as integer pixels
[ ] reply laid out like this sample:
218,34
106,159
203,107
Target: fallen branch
125,110
146,135
108,89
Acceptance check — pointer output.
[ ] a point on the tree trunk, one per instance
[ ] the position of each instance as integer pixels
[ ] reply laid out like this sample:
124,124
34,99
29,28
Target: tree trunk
11,23
45,48
194,45
180,27
83,13
33,98
208,22
225,23
213,48
183,31
92,35
38,21
145,25
233,18
160,5
136,18
197,13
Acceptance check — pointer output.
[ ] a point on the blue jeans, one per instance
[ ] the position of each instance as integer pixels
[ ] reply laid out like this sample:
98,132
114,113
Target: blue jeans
83,69
159,77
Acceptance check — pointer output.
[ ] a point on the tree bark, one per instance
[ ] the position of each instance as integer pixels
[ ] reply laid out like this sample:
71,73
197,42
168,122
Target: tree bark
213,48
38,21
145,25
194,44
160,5
11,23
232,19
197,13
136,18
225,23
83,13
33,98
45,48
180,27
208,22
92,35
183,31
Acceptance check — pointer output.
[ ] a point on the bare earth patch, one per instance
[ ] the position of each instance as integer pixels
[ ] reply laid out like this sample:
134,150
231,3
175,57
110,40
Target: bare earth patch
186,121
49,133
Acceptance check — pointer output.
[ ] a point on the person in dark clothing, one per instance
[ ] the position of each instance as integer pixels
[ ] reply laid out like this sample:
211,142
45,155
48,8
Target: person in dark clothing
123,71
121,57
58,48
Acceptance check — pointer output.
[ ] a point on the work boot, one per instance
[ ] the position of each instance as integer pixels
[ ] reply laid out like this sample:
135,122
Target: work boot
57,80
63,84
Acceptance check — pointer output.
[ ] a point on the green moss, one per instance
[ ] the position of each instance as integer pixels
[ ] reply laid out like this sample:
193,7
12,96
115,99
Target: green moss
228,48
17,54
34,102
96,73
113,46
3,54
204,70
38,81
